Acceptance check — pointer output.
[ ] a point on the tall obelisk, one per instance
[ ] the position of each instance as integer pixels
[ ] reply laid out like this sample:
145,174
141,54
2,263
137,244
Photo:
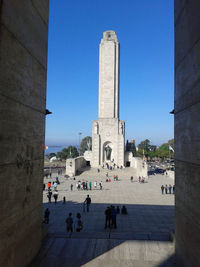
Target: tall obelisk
108,131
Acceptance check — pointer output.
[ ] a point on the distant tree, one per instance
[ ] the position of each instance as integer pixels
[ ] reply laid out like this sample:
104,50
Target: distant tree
70,151
130,146
164,152
86,144
152,151
145,145
60,155
164,147
127,145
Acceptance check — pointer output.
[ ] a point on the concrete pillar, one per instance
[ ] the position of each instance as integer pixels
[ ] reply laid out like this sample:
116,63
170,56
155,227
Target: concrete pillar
187,131
109,76
23,68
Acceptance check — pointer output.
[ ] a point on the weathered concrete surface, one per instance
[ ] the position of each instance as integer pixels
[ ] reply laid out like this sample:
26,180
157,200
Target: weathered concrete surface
187,131
23,53
74,165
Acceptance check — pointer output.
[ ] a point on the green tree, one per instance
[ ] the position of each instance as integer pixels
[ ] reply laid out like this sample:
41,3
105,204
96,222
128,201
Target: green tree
60,155
164,152
86,144
145,145
70,151
130,146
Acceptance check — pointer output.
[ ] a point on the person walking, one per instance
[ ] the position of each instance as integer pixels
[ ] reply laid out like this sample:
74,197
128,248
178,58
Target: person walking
49,194
55,186
173,189
166,189
100,184
78,224
107,213
46,216
88,202
55,195
57,180
118,210
170,189
71,186
49,185
86,185
90,185
162,189
69,223
124,210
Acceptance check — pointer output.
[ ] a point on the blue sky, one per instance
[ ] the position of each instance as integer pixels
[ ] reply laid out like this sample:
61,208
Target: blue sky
145,31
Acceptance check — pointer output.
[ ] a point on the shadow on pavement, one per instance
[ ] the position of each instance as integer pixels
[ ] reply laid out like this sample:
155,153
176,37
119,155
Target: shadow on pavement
141,230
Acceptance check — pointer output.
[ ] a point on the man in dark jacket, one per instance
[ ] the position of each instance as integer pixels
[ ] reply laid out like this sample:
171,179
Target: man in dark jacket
107,213
88,202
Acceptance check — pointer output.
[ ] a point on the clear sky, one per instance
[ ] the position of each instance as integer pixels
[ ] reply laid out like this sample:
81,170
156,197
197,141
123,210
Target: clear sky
145,31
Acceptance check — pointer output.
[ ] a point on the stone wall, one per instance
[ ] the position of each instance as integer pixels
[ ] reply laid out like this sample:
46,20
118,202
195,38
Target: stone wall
187,131
88,155
23,67
140,166
74,165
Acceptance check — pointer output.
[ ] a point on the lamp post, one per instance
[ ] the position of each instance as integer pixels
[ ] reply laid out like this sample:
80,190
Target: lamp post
79,140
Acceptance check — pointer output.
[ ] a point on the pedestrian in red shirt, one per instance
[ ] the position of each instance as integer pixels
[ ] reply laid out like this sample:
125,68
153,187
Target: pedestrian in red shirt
49,185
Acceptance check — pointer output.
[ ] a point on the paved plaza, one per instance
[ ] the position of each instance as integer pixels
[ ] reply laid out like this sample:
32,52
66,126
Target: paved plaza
142,237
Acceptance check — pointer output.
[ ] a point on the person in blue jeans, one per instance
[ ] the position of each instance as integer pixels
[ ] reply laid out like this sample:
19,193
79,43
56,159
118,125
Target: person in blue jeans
88,202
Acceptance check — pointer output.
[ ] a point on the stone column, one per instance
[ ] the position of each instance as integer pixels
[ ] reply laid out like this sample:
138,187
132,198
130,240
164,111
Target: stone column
187,131
23,68
109,76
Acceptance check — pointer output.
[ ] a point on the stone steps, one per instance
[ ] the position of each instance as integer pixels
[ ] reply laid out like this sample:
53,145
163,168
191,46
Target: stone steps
154,236
62,251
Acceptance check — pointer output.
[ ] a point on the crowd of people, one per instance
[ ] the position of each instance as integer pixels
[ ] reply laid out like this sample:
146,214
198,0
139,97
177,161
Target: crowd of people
140,179
76,224
85,185
168,189
111,167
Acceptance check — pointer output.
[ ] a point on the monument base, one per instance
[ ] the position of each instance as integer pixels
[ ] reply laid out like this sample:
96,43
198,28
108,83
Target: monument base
108,142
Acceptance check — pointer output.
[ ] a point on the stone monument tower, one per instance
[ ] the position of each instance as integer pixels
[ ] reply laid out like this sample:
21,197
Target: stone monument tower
108,131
